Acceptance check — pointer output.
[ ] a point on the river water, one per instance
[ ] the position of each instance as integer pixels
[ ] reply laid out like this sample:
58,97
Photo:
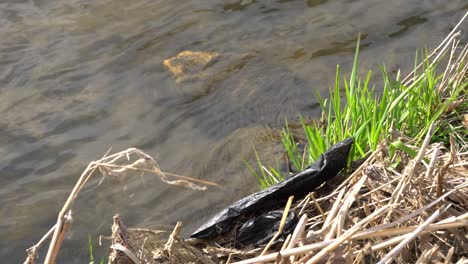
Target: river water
78,77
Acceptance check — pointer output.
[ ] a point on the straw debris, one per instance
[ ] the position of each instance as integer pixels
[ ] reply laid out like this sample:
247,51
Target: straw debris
379,214
122,164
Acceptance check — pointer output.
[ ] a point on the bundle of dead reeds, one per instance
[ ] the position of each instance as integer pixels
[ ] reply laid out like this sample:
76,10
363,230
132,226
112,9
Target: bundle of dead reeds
416,213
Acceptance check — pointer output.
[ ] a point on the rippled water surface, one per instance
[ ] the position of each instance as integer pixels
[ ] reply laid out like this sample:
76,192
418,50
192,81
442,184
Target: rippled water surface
79,77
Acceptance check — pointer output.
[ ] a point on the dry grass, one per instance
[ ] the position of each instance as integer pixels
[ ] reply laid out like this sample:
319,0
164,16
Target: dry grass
129,162
415,213
382,214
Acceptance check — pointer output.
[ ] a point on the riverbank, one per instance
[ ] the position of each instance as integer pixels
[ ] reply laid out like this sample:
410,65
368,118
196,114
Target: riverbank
412,210
406,202
414,214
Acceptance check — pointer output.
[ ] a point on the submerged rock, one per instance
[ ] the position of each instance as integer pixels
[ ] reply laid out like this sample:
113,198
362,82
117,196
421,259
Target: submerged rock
190,64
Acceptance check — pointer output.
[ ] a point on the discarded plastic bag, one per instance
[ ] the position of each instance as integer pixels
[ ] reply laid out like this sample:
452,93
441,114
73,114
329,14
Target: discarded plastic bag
325,168
261,229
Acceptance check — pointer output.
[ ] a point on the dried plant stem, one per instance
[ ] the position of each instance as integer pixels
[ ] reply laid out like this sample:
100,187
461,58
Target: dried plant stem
119,164
32,252
298,232
281,227
348,234
411,236
439,50
54,246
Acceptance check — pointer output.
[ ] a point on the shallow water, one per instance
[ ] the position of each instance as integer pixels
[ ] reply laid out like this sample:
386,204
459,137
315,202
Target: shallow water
79,77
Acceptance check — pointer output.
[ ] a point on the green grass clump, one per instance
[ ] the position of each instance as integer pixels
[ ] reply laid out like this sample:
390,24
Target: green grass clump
408,106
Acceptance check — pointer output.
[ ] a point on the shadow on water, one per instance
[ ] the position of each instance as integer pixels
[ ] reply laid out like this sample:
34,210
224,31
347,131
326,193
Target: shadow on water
238,5
80,77
407,24
340,47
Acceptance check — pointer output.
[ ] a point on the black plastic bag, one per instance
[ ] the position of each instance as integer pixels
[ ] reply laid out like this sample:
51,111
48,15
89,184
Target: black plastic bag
261,229
325,168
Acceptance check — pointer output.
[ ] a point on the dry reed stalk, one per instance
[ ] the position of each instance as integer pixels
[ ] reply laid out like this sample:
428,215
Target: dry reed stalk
403,184
403,230
303,203
411,236
286,242
298,232
281,227
331,215
449,255
32,251
285,253
439,51
317,205
427,255
348,234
